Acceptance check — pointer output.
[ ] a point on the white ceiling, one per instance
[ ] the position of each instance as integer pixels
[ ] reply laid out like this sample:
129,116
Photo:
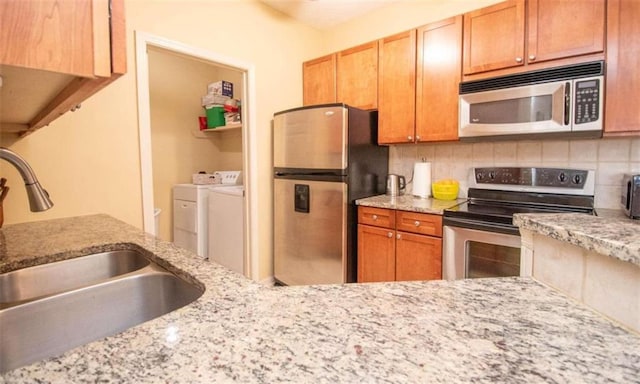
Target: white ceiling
324,14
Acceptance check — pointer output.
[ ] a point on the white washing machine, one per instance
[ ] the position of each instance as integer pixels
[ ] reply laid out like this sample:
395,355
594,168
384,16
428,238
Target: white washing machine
190,212
226,227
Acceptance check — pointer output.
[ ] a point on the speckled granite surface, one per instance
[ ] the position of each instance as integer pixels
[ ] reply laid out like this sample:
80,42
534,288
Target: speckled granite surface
610,234
409,203
511,330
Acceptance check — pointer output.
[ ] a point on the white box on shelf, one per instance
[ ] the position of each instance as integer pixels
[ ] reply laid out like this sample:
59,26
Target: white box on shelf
222,87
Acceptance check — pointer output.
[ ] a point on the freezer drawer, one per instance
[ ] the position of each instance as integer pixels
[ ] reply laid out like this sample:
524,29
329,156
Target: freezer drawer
310,232
314,138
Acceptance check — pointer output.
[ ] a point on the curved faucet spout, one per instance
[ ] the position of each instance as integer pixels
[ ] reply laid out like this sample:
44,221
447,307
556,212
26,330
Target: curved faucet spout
38,197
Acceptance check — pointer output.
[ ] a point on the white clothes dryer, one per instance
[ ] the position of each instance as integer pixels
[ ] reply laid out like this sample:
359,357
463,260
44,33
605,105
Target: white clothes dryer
226,227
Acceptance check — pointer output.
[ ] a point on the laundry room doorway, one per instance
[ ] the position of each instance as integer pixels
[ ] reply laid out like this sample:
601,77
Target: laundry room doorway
172,77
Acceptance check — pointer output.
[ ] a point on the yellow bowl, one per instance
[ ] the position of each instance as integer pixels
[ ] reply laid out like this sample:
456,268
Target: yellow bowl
445,189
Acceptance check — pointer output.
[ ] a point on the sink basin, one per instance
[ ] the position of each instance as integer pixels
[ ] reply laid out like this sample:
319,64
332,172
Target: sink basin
50,325
46,279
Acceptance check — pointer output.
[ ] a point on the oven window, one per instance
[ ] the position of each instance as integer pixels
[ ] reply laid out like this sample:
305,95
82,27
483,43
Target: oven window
512,111
491,260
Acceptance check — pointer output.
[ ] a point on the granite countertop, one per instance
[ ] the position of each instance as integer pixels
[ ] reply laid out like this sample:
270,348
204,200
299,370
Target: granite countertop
609,233
509,330
409,203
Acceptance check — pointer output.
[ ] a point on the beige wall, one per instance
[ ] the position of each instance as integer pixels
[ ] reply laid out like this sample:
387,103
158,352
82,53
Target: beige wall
89,160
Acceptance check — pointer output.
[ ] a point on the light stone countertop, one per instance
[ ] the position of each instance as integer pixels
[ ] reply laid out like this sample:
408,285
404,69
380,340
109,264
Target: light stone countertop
409,203
511,330
609,233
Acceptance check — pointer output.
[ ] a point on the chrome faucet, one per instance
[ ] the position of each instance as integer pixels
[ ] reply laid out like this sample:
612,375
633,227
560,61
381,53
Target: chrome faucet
38,197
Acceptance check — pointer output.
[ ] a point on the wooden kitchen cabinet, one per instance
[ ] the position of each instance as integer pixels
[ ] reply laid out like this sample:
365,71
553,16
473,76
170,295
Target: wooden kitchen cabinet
398,245
55,54
397,88
418,257
495,37
377,254
623,77
438,76
69,37
319,80
357,76
569,28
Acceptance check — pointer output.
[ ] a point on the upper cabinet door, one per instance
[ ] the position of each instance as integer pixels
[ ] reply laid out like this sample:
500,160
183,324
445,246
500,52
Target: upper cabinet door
397,88
357,76
439,66
494,37
319,80
559,29
623,78
70,37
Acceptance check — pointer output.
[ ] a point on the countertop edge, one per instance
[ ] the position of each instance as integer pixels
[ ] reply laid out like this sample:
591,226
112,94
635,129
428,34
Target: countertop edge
409,203
610,236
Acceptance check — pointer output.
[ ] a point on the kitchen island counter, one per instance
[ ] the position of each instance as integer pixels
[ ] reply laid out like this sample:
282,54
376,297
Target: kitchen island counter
484,330
610,233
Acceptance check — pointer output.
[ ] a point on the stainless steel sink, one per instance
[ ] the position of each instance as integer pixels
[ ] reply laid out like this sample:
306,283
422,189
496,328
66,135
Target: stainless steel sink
46,279
48,326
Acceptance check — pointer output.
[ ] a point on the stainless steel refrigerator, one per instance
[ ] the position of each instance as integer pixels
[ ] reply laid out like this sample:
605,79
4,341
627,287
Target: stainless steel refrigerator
325,157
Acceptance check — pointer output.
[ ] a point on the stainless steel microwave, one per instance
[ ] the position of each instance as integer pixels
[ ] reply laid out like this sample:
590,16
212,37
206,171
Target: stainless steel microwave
558,102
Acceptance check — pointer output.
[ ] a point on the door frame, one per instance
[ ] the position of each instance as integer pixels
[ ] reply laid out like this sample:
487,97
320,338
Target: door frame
144,40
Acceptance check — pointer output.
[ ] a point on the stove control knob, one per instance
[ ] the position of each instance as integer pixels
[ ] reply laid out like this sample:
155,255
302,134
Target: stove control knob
577,179
479,176
562,177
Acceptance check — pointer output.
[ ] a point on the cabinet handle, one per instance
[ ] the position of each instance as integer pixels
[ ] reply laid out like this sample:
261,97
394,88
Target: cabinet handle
409,138
374,217
390,234
398,236
417,223
518,59
532,57
417,137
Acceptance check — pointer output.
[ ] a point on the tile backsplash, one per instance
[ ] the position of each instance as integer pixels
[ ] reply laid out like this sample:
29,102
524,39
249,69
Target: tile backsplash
610,158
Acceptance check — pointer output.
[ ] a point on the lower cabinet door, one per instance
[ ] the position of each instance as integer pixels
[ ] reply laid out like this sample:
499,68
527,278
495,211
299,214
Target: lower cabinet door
376,254
418,257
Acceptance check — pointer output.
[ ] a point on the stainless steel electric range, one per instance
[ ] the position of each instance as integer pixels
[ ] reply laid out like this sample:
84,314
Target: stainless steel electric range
479,238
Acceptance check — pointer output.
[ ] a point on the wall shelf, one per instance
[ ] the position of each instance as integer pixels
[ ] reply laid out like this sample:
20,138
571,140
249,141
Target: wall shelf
224,128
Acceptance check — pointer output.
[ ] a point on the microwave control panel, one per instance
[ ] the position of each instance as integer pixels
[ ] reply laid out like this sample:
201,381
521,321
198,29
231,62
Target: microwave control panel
587,101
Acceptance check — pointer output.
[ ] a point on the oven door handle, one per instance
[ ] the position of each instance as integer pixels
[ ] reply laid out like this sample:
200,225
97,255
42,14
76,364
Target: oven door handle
481,225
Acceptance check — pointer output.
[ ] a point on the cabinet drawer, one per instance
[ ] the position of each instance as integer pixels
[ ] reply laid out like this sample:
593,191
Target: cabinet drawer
421,223
378,217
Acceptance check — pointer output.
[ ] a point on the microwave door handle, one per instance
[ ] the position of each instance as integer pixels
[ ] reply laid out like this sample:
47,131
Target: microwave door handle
567,103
